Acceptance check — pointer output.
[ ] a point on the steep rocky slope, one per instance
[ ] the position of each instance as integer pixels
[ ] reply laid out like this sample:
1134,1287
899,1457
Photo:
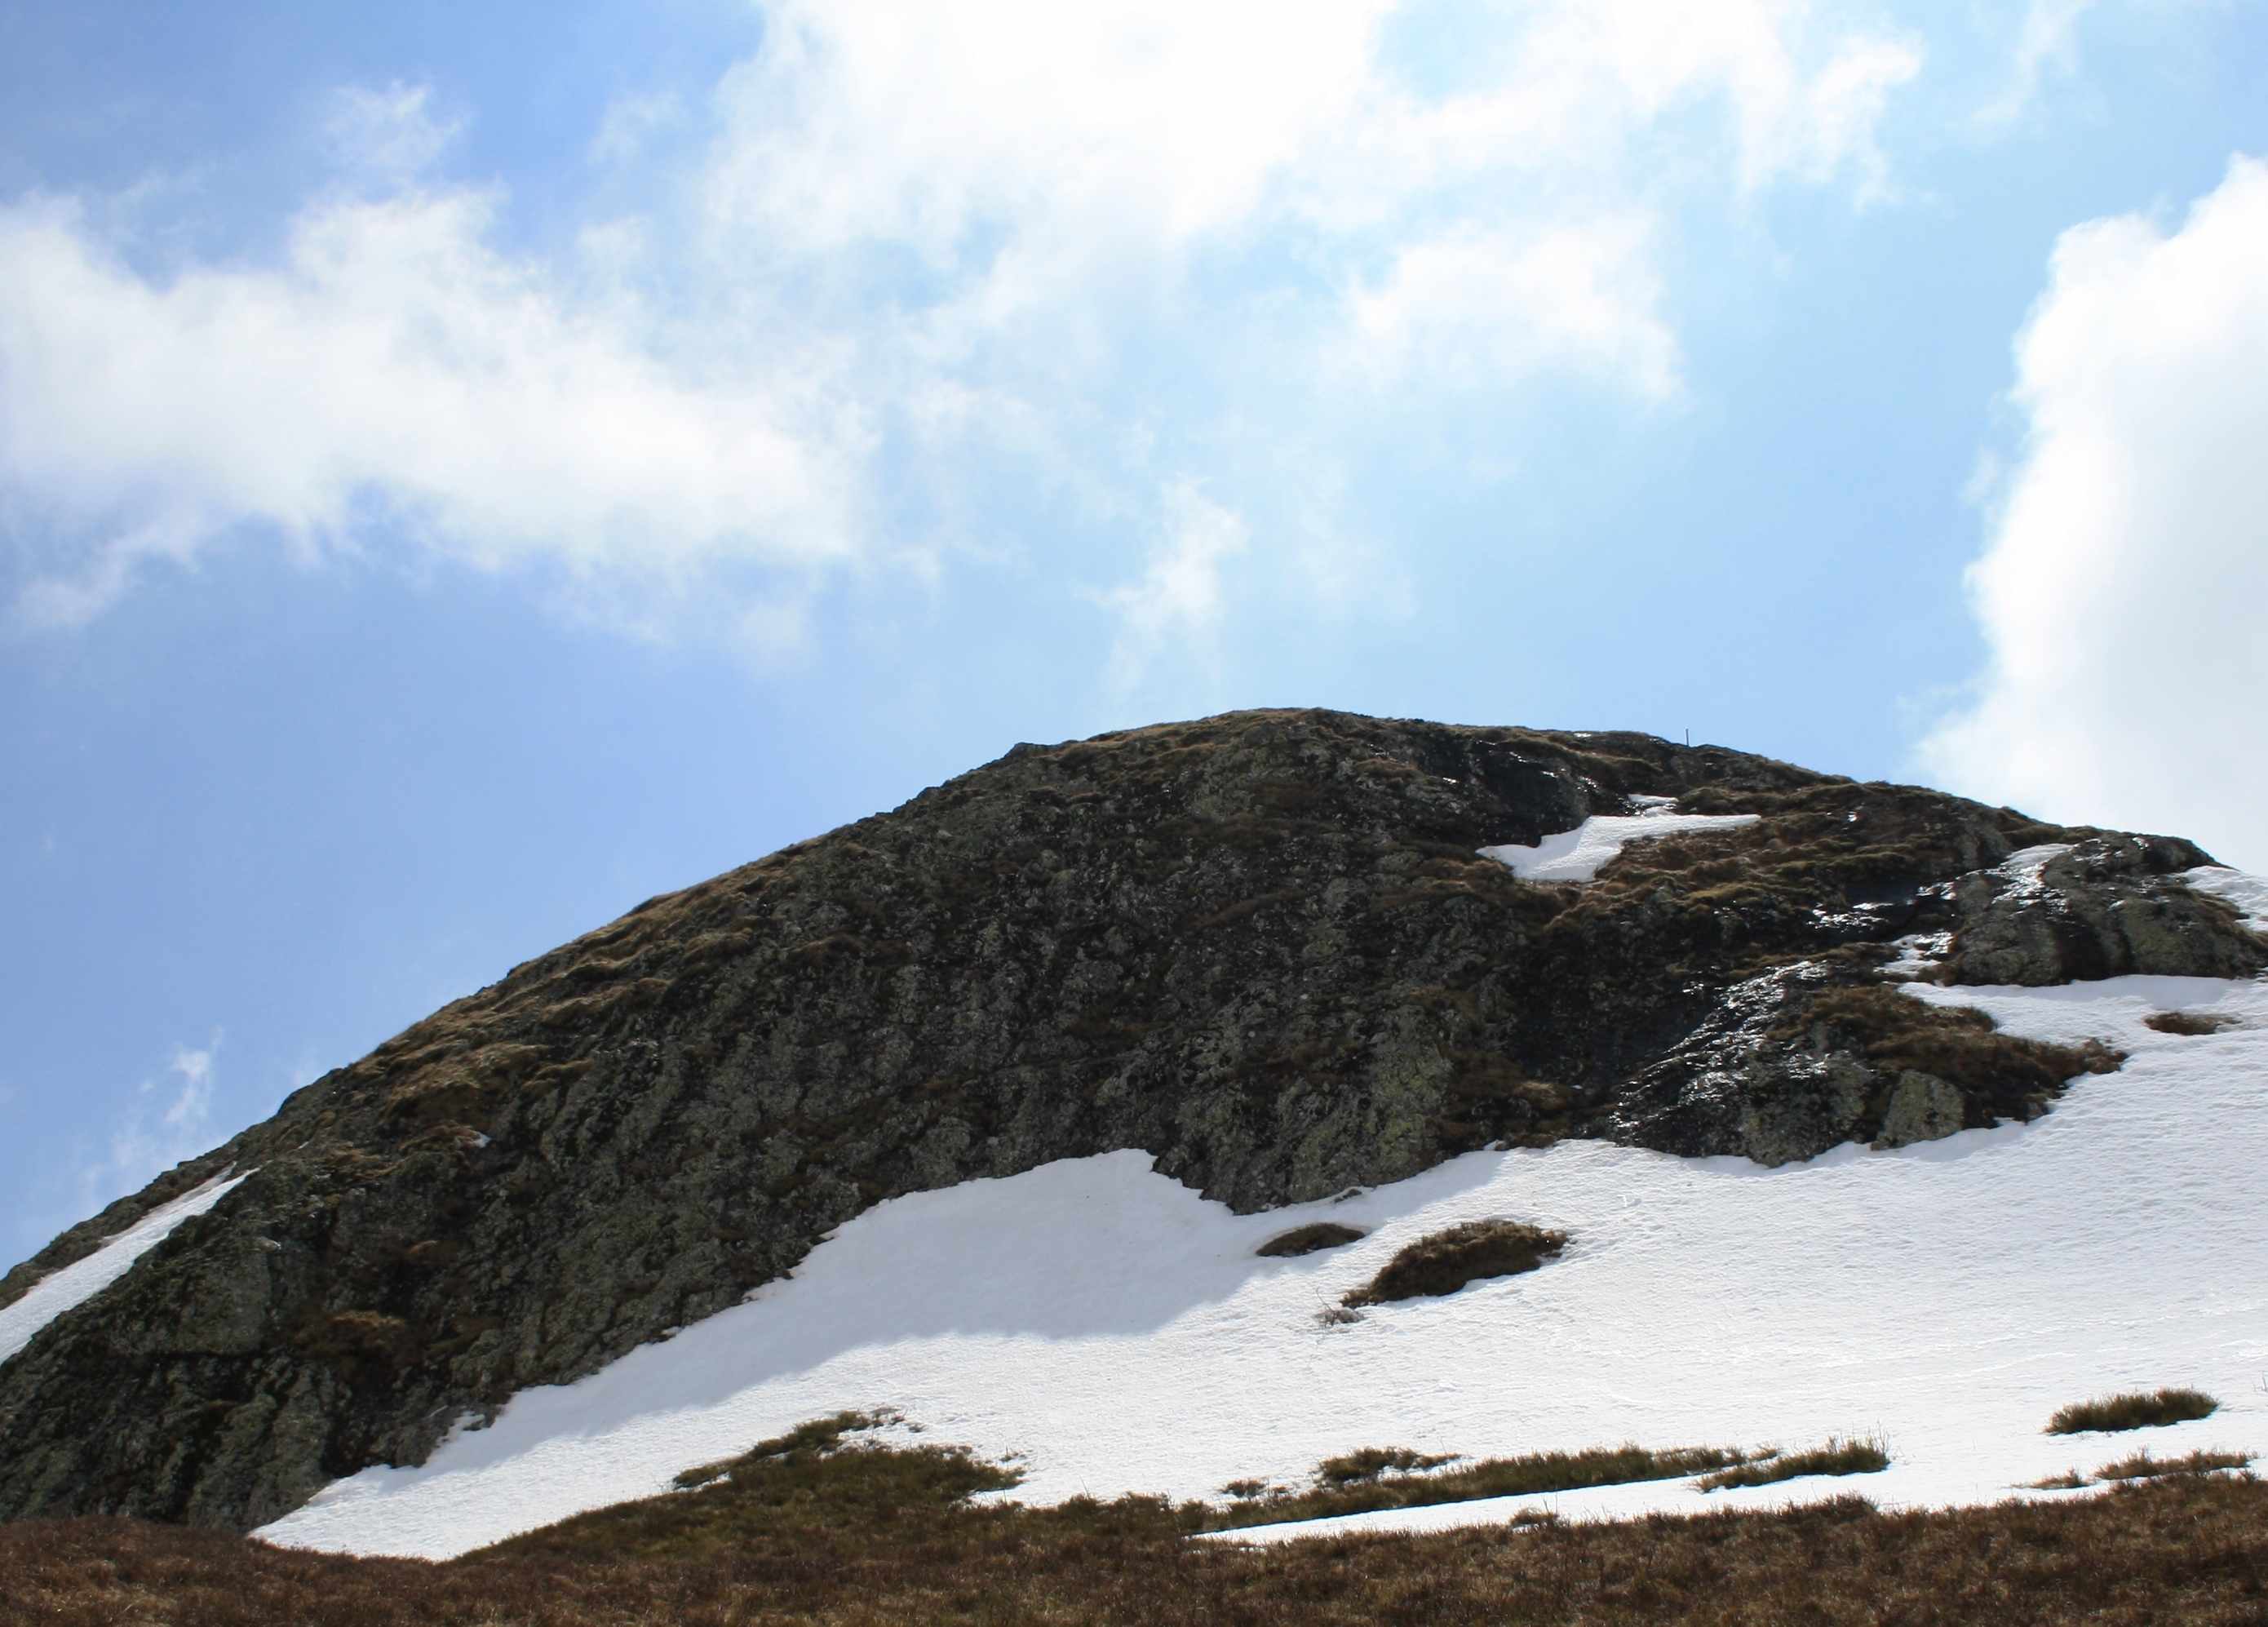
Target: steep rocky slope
1263,946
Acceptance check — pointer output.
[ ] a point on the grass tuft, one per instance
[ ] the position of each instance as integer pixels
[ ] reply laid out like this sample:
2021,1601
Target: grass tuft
2190,1023
1374,1463
2134,1409
2142,1466
1443,1261
2070,1480
1383,1478
1306,1239
1837,1457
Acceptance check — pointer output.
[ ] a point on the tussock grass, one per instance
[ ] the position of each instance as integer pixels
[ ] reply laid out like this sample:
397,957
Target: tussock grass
2192,1023
2070,1480
1374,1463
1837,1457
1443,1261
1306,1239
2133,1409
2142,1466
857,1547
1393,1478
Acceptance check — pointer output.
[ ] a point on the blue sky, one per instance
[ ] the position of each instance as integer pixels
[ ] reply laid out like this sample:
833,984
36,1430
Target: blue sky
461,476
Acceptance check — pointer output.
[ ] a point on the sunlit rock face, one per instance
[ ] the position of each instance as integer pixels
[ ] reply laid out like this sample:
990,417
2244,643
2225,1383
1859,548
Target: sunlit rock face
1266,947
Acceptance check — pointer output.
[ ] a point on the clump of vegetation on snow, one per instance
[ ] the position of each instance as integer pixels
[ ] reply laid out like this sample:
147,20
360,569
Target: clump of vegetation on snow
1306,1239
1441,1263
1837,1457
2133,1409
2142,1466
2190,1023
1399,1478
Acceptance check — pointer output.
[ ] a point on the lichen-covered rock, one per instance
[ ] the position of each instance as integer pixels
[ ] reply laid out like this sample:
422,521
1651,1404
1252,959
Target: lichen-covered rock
1921,1107
1262,947
2100,908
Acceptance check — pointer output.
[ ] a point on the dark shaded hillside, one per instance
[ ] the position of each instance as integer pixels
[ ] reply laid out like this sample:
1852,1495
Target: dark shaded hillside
1260,946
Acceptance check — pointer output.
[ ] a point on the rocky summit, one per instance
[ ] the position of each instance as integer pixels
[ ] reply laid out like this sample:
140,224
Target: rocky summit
1266,948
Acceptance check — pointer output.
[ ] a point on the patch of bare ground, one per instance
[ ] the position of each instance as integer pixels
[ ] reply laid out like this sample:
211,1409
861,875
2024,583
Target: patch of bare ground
864,1537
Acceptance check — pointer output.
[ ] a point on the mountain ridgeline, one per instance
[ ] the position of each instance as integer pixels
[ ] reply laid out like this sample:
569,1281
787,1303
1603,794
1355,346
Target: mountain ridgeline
1262,947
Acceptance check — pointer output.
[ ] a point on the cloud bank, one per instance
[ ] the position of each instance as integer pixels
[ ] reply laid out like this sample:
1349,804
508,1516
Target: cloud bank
2127,560
897,244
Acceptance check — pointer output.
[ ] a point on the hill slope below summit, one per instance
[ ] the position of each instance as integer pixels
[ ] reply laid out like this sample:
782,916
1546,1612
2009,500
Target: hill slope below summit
1265,953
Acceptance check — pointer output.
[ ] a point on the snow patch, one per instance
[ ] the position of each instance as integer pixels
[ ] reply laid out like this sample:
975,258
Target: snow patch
2249,893
1116,1329
80,1281
1577,855
1919,953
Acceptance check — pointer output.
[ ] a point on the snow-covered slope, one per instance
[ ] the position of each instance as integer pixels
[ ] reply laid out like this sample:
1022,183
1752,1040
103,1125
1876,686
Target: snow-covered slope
81,1281
1111,1331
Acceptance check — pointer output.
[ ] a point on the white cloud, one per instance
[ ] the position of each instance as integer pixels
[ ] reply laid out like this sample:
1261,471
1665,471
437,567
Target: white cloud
1477,306
2047,40
1178,598
166,1121
909,123
631,122
389,134
394,360
690,416
2126,562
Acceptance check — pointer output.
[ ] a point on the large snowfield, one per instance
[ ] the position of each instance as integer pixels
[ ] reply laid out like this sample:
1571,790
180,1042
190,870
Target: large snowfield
1110,1330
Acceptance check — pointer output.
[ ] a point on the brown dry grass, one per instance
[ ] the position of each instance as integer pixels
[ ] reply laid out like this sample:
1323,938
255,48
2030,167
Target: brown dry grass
2134,1409
869,1539
2190,1023
1837,1457
2142,1466
1392,1477
1957,1043
1306,1239
1443,1261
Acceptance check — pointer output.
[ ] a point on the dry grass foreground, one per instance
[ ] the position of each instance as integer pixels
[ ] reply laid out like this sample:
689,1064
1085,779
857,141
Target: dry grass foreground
799,1533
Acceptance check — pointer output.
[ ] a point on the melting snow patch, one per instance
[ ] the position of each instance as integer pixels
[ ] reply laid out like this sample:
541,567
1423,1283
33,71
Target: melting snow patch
2249,893
77,1283
1576,855
2026,867
1919,953
1117,1330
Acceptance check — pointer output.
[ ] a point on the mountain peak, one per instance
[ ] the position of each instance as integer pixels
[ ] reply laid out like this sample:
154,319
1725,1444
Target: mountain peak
1283,953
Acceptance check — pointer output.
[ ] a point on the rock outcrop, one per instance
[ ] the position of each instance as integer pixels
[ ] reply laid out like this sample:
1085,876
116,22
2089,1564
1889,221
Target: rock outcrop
1262,947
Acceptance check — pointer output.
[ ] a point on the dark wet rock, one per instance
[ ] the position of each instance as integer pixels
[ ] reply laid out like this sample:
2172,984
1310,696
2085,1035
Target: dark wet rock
1260,946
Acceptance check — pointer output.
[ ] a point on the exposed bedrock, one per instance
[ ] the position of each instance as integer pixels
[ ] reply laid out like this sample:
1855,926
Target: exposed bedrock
1262,947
